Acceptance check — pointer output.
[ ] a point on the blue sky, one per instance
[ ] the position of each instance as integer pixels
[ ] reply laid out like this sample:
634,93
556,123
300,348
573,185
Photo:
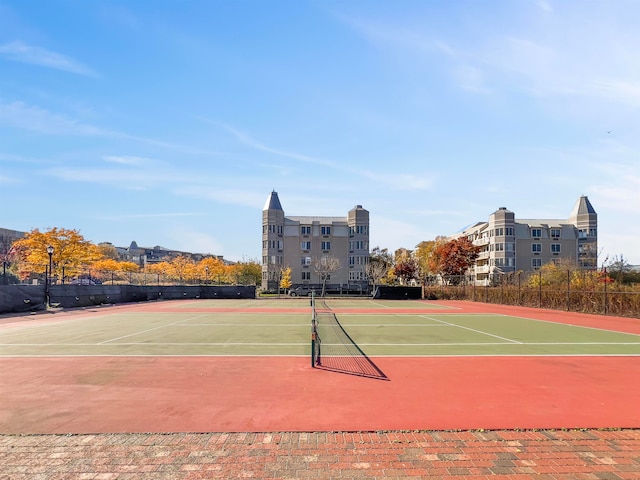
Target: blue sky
170,122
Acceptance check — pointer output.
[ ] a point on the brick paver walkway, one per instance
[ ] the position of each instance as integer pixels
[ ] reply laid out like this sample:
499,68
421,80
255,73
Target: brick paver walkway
540,454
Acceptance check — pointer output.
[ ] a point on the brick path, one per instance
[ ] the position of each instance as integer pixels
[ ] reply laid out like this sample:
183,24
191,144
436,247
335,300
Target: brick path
465,455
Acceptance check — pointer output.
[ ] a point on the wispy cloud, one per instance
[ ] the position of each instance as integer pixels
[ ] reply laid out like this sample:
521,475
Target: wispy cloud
400,181
135,216
21,52
130,160
32,118
8,180
39,120
246,198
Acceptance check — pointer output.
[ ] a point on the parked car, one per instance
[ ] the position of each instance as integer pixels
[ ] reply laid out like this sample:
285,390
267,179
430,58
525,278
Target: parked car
85,281
301,291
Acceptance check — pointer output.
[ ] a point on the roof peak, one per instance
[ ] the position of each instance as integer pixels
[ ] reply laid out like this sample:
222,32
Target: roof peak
273,202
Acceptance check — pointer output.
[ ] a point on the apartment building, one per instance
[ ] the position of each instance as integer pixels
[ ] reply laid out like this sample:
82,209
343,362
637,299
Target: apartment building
509,244
298,242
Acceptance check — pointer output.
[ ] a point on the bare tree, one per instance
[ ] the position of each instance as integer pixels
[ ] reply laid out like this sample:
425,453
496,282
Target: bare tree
618,267
324,267
380,261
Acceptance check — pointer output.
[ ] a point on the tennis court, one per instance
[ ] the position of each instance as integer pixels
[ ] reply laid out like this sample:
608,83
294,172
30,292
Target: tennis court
245,365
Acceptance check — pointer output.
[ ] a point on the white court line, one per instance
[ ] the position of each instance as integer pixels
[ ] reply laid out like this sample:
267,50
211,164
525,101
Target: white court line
150,329
473,330
574,325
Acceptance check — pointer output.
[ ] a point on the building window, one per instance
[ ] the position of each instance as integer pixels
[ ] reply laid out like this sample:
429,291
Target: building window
536,232
326,245
499,247
305,245
509,231
593,232
358,245
555,248
510,247
536,247
536,263
555,233
304,230
499,232
306,261
306,275
362,229
325,230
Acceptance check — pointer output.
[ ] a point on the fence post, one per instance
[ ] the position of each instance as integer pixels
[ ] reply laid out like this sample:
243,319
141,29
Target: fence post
519,293
540,289
605,289
568,289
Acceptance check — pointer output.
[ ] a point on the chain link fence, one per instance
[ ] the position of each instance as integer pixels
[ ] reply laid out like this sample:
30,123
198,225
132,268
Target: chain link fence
594,293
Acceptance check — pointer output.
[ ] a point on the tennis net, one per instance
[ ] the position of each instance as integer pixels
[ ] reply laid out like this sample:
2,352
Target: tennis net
333,348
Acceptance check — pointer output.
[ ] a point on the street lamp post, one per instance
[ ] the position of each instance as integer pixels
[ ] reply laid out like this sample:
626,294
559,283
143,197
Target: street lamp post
50,252
49,275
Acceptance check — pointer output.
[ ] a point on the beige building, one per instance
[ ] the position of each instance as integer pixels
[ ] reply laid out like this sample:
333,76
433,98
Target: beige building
300,242
509,244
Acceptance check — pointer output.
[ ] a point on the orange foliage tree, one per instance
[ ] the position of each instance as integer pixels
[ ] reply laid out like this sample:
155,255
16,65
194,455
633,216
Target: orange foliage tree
71,252
455,257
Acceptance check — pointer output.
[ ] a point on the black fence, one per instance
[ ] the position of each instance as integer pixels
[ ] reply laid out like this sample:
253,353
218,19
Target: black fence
601,298
26,298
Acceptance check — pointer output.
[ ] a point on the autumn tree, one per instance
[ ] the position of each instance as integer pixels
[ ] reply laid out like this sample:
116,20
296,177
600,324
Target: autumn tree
160,268
248,272
425,255
285,279
406,267
71,252
108,251
108,268
8,257
380,262
324,267
455,257
211,268
182,268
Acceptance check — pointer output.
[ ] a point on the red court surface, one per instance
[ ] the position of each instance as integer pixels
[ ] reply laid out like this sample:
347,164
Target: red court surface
229,394
520,417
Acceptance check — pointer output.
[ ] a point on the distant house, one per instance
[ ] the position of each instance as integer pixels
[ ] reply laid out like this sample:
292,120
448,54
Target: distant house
149,255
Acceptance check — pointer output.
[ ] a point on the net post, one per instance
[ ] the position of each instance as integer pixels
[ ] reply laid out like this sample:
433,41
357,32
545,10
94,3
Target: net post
314,331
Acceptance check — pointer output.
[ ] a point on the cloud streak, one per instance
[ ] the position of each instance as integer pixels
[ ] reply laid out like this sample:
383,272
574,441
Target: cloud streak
21,52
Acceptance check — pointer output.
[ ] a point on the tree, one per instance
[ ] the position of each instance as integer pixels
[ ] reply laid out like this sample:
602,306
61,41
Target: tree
455,257
71,252
7,257
211,268
160,268
324,267
249,272
285,278
406,267
108,251
618,267
425,255
182,268
380,262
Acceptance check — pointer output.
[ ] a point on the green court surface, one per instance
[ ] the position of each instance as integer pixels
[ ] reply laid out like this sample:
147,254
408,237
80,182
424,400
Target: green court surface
282,327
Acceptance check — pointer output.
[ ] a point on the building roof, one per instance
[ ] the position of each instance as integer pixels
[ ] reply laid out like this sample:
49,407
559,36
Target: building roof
582,206
273,202
325,220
